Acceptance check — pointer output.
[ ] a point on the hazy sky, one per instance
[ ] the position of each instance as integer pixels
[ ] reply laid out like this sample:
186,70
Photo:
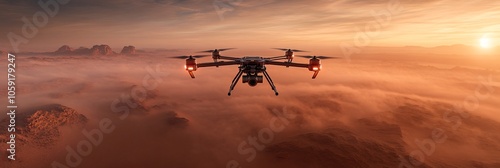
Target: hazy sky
206,24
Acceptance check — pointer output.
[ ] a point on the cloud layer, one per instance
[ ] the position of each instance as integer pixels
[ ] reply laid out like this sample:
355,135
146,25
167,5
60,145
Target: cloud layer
367,110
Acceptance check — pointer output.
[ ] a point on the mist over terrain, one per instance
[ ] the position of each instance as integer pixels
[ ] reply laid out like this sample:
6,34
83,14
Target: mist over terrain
417,84
374,110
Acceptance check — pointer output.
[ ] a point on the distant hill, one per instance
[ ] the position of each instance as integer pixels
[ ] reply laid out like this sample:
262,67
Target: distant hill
96,50
128,50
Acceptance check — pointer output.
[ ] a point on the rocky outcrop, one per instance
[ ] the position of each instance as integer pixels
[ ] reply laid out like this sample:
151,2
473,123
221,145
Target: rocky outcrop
173,120
64,50
41,127
128,50
102,49
96,50
82,51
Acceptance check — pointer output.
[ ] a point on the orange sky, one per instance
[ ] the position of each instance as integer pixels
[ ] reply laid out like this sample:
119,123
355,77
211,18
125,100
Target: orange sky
199,24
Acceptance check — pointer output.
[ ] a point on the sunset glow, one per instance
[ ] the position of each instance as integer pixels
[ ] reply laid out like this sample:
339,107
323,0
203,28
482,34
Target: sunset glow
193,24
485,42
250,83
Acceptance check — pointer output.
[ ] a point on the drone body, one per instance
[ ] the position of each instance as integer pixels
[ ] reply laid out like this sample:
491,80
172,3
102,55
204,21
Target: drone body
252,69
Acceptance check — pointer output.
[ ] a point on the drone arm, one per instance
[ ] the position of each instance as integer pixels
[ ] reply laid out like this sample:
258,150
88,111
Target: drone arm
312,67
288,64
216,64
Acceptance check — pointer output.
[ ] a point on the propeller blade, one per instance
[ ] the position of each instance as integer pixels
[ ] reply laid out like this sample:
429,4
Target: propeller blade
186,57
200,56
327,57
180,57
282,49
222,49
294,50
225,49
317,56
304,56
277,58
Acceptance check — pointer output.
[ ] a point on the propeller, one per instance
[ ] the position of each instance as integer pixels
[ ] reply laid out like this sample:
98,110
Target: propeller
317,56
222,49
186,57
277,57
294,50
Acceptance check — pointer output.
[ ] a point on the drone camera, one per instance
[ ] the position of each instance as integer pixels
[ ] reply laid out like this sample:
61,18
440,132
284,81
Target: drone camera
253,80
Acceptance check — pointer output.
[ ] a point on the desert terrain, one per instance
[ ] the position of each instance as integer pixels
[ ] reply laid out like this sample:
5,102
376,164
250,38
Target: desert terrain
379,108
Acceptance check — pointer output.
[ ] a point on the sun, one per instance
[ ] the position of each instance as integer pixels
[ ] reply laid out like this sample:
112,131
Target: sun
485,42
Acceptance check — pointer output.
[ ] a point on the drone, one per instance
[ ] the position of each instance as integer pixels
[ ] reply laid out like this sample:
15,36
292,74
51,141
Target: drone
251,67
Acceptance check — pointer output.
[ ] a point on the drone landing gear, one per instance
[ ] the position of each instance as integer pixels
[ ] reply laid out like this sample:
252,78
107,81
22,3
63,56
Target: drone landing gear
235,81
191,74
271,82
315,74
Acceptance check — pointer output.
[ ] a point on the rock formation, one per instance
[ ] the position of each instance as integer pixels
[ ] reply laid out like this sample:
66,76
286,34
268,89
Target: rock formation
64,50
82,51
128,50
96,50
102,49
41,126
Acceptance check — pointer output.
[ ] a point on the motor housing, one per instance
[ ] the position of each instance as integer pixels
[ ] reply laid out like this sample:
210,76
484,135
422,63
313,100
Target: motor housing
191,64
314,64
